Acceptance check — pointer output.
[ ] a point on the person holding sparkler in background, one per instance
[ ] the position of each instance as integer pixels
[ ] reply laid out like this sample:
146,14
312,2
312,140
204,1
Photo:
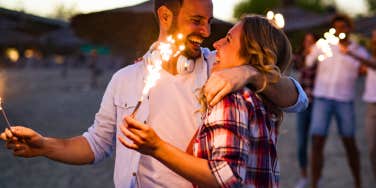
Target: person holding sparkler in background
236,146
334,93
369,97
169,107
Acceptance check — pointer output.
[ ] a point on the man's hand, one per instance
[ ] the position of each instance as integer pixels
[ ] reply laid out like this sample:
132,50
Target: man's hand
144,138
343,49
24,142
283,93
221,83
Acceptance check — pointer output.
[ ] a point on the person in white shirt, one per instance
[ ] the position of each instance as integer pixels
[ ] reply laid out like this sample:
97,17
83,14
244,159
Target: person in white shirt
334,93
369,97
169,108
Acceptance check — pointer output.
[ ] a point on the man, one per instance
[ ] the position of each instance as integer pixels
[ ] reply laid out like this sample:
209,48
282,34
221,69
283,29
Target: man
334,93
170,107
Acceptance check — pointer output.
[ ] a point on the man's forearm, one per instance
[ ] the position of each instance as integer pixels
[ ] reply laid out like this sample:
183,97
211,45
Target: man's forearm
368,62
283,93
74,150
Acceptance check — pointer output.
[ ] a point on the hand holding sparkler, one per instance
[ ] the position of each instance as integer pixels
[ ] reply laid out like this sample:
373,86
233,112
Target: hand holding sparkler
24,142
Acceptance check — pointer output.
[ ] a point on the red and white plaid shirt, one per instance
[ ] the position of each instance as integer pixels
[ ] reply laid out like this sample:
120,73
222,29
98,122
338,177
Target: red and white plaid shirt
239,138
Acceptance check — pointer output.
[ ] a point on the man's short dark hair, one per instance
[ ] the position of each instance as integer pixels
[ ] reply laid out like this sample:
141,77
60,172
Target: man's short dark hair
342,18
173,5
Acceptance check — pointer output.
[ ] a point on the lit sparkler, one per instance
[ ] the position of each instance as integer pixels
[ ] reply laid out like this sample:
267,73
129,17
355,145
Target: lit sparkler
162,53
324,44
278,19
4,115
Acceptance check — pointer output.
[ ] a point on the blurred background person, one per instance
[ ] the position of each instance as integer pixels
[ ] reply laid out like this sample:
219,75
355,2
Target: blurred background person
95,71
334,94
369,97
307,79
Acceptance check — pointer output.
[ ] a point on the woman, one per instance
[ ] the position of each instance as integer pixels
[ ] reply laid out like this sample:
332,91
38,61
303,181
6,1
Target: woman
236,145
307,80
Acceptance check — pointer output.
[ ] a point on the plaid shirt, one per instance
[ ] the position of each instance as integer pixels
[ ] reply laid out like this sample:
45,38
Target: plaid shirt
238,138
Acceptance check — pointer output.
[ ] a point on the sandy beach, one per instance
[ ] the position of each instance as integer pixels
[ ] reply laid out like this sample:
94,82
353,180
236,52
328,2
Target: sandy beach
58,107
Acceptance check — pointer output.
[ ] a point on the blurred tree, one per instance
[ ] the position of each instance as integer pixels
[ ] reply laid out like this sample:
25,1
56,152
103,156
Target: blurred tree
288,2
260,7
255,6
64,12
314,5
372,6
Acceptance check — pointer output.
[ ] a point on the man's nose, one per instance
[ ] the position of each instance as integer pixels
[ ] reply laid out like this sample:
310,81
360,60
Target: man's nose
205,30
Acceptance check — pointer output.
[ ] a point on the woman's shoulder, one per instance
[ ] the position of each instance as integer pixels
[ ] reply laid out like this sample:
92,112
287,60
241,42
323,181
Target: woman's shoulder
233,108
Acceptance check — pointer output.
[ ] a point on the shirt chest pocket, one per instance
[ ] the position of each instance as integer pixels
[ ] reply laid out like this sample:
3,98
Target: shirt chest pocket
124,108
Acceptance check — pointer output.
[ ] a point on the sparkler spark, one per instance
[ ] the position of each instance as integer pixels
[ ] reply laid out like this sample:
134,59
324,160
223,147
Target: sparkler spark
162,53
278,19
324,44
270,15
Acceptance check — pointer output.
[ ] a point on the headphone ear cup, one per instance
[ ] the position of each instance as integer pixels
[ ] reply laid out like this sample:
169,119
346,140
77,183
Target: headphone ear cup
151,57
147,59
184,65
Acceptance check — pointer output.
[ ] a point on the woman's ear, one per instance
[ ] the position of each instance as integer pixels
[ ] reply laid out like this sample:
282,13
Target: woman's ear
165,17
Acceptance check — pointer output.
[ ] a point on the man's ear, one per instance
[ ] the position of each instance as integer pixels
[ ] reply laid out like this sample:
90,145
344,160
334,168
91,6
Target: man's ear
165,17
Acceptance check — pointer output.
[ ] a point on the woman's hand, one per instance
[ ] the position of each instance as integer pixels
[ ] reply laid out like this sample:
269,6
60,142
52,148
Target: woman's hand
144,138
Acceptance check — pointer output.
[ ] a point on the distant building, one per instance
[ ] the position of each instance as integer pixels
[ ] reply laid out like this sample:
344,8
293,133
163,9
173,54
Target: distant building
27,38
129,31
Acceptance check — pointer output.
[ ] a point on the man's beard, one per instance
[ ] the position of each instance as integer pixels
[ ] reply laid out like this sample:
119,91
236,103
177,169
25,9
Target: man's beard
189,53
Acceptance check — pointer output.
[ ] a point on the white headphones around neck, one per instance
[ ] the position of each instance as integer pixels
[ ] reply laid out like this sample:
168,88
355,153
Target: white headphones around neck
183,64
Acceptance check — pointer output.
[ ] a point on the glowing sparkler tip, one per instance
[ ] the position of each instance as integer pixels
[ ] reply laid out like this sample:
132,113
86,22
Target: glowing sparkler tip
180,36
280,20
332,31
342,36
169,38
270,15
181,47
321,58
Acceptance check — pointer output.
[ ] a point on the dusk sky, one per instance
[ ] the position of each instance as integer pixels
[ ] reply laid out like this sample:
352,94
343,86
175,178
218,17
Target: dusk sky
222,8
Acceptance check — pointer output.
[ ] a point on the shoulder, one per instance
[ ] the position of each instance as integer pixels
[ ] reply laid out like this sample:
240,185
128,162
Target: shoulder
232,109
126,79
209,56
129,71
358,48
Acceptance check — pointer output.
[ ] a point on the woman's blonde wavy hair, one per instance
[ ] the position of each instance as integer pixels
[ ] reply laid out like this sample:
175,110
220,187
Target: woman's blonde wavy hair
267,49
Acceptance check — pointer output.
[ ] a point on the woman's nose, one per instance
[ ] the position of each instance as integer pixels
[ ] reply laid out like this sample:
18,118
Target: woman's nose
216,44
